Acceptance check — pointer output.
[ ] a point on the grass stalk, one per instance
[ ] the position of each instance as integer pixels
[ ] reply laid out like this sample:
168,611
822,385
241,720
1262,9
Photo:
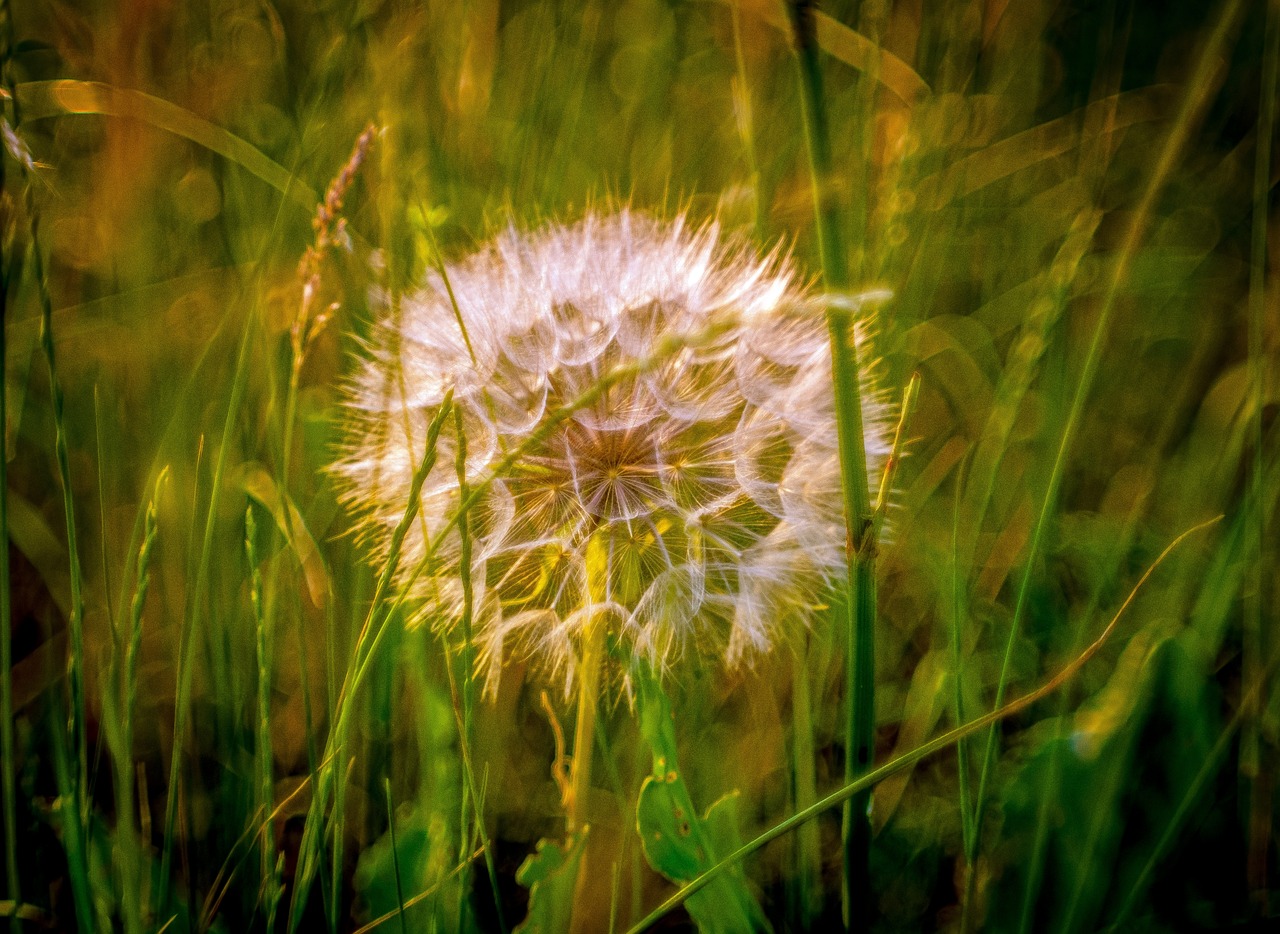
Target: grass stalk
1189,112
130,848
860,544
193,630
74,772
395,856
265,780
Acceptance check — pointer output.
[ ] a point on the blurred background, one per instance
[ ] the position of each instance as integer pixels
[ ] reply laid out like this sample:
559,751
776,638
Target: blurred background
1072,204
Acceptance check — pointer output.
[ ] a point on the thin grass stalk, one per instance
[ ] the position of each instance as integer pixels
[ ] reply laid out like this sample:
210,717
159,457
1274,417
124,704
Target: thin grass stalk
395,856
293,190
75,669
74,840
859,599
841,795
102,516
76,770
367,642
266,782
468,679
1192,107
130,850
468,609
1254,644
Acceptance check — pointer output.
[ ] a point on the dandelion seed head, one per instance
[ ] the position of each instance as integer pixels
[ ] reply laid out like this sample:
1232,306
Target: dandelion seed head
692,506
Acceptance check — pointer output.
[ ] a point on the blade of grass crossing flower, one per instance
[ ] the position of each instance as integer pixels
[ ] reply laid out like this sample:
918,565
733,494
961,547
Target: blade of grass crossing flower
841,795
1200,86
860,596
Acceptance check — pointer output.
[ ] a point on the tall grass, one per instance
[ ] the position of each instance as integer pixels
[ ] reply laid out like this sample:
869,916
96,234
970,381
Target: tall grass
1072,207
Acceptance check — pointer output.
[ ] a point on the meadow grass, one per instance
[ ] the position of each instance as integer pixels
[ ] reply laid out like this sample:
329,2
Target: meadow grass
222,710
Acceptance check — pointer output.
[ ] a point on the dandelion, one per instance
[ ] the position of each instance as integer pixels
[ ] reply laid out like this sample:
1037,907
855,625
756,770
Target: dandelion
675,485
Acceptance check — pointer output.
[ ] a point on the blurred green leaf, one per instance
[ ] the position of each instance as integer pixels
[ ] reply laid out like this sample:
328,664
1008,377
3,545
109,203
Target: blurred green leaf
550,874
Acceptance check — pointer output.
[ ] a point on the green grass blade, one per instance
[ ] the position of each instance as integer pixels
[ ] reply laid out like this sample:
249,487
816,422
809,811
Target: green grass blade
43,99
860,594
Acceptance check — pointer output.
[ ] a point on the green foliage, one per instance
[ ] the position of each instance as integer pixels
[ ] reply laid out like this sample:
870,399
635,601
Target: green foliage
550,873
678,842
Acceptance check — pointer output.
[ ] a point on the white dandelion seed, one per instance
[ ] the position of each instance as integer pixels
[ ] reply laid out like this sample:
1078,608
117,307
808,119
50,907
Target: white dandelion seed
694,506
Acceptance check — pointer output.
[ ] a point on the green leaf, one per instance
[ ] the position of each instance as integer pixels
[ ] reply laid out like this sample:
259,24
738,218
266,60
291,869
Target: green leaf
550,873
680,844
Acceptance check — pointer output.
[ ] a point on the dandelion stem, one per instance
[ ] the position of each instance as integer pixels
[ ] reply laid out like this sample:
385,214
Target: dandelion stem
585,726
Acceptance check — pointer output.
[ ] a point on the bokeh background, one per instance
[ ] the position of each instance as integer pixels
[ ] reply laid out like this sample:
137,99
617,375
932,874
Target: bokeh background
1072,204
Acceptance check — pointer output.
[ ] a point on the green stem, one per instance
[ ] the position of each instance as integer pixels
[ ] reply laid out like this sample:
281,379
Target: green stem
860,541
266,782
